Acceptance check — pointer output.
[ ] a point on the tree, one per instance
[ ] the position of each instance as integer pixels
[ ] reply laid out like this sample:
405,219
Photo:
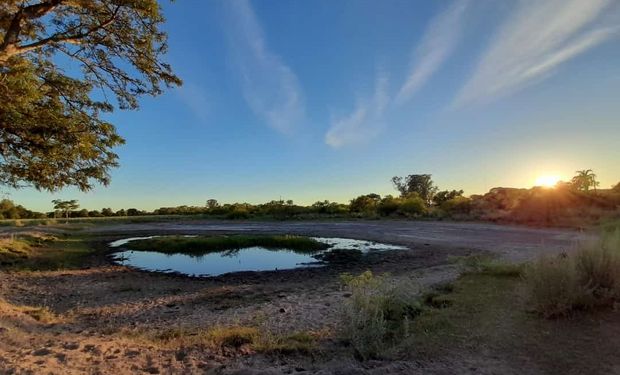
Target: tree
584,180
65,206
446,195
422,184
51,131
616,187
212,204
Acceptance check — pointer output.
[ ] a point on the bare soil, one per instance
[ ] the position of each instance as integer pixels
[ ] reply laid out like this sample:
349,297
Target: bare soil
99,310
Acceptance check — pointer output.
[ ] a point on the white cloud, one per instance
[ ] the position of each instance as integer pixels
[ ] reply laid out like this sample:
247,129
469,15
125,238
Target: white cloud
270,87
533,43
364,123
436,45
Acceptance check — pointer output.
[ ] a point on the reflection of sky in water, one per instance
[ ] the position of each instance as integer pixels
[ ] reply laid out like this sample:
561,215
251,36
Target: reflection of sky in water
248,259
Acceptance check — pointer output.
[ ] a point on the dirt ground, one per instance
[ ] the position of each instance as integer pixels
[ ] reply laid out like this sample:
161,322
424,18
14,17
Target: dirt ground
96,311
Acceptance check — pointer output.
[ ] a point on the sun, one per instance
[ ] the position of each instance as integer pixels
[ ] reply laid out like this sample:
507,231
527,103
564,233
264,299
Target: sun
547,181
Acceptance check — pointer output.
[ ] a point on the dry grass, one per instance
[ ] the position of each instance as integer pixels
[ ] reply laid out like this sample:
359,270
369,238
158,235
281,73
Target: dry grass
378,314
41,314
229,338
583,280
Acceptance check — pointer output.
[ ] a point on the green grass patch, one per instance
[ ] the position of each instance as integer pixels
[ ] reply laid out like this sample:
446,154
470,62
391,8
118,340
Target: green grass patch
36,251
489,321
488,265
208,244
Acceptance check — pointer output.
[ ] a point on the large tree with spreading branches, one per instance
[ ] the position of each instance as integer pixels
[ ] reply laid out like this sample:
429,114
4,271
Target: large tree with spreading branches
52,133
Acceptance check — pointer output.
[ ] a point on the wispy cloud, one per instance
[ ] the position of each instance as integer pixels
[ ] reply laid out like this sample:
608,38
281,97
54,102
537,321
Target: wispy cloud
195,97
269,86
533,43
435,47
365,122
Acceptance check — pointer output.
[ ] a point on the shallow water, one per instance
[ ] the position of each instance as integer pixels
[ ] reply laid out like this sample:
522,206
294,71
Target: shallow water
247,259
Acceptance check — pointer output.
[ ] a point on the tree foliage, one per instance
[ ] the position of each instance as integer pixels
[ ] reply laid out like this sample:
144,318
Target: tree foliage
584,180
65,206
446,195
421,184
52,133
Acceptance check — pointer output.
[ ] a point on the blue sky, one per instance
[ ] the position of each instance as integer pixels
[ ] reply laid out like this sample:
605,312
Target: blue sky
313,100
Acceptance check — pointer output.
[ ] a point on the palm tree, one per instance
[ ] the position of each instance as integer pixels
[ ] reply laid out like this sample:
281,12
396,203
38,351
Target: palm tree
584,180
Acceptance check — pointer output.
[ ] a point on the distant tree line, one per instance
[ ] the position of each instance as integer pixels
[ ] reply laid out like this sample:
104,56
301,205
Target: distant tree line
418,196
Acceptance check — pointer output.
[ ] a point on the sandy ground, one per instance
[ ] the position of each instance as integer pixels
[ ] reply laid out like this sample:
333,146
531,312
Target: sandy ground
98,306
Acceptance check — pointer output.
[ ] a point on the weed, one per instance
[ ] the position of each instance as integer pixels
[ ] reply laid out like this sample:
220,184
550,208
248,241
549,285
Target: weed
378,314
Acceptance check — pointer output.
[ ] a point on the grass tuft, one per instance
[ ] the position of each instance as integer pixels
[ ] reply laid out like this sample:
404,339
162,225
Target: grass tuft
487,265
227,338
378,314
583,280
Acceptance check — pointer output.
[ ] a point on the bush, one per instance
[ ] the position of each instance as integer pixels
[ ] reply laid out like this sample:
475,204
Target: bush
377,315
413,206
238,213
553,287
589,278
458,205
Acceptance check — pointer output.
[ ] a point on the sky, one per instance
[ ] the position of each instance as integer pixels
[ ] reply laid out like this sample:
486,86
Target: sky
322,99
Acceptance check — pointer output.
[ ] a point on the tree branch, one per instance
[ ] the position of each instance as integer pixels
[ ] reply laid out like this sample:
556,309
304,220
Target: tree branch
28,12
65,37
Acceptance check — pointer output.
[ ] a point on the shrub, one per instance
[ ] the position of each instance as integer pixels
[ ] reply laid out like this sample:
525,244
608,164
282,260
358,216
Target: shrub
598,266
589,278
238,213
388,205
457,205
413,206
377,315
553,287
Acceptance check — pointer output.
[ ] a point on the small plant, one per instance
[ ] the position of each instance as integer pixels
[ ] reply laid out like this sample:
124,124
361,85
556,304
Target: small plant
378,314
233,337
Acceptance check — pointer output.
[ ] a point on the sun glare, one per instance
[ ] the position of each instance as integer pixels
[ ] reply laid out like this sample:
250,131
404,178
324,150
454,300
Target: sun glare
547,181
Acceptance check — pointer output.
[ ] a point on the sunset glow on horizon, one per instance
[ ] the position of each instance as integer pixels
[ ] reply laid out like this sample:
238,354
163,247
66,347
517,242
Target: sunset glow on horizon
547,180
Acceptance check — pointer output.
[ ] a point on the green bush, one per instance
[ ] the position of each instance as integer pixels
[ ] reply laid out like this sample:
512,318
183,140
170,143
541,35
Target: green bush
457,205
413,206
377,315
238,213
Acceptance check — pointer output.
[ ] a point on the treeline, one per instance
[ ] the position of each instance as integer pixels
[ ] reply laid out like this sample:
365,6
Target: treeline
9,210
571,202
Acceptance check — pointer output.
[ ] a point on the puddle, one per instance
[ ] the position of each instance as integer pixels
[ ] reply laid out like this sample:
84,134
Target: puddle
247,259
